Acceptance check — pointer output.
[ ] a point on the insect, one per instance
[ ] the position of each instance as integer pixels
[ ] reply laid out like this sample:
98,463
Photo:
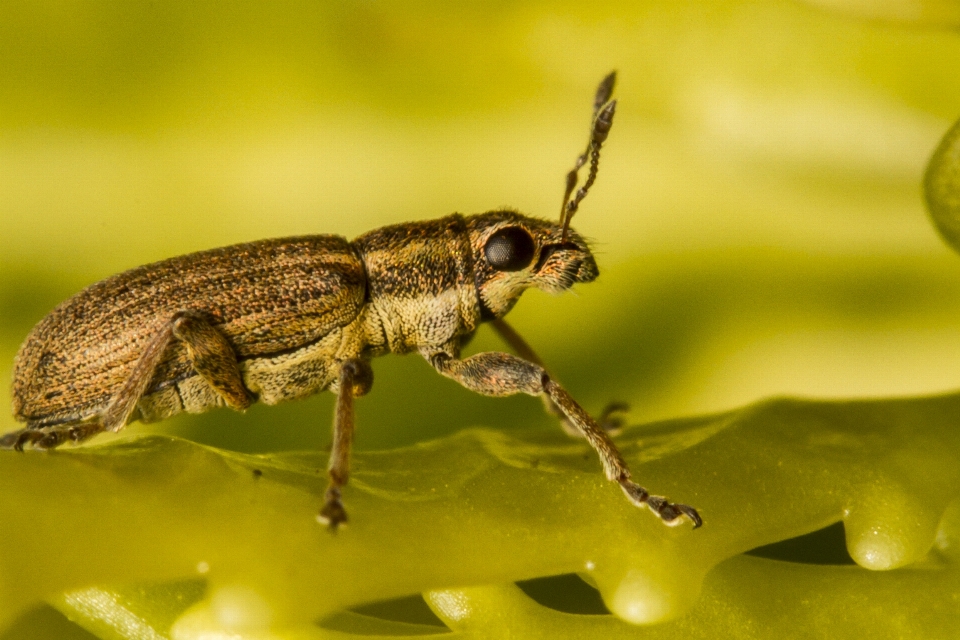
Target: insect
281,319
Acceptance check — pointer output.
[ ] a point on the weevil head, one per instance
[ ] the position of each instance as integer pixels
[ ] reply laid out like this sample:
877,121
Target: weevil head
513,252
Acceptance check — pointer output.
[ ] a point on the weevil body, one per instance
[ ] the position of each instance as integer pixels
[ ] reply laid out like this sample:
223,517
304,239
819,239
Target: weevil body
290,309
281,319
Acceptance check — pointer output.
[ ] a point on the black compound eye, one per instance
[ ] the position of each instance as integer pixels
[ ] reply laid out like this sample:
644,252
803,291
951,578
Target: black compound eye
510,249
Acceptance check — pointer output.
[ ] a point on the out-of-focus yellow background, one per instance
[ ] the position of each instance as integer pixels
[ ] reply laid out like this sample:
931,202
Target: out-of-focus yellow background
757,219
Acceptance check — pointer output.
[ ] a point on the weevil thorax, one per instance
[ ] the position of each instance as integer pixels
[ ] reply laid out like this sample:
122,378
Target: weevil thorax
513,252
431,282
421,289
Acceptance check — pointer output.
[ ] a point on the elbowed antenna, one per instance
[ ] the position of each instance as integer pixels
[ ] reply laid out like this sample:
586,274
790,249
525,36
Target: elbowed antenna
603,112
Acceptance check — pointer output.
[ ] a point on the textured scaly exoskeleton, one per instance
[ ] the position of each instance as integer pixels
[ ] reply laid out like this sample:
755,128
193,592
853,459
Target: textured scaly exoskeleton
281,319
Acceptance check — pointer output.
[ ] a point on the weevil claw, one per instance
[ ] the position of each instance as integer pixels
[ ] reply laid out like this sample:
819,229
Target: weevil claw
16,439
9,440
672,514
691,513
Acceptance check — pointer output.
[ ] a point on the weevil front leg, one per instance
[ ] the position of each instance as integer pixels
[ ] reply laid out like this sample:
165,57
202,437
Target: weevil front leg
208,351
610,418
356,378
501,374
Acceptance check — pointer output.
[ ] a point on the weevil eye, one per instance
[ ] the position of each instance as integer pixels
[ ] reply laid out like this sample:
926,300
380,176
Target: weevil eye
510,249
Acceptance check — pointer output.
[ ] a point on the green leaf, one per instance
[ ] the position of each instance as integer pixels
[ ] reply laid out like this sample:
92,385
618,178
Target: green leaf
485,508
142,611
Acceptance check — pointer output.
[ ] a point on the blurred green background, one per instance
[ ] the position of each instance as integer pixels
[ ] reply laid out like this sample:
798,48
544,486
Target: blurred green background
757,219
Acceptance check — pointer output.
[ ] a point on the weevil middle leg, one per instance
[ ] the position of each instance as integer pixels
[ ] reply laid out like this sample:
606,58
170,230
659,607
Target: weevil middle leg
356,379
501,374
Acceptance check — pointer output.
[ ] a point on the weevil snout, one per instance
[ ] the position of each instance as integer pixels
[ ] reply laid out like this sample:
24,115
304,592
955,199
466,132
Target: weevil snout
564,264
513,252
587,271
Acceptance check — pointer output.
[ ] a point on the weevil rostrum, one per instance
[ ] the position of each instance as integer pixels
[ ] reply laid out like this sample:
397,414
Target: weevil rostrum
276,320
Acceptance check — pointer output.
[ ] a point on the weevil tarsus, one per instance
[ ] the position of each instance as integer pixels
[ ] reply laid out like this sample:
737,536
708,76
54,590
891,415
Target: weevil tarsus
49,437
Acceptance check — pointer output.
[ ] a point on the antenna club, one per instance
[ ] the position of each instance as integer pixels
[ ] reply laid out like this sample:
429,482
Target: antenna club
604,91
604,121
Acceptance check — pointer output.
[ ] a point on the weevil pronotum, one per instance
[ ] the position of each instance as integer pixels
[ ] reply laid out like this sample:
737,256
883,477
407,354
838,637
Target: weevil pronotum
281,319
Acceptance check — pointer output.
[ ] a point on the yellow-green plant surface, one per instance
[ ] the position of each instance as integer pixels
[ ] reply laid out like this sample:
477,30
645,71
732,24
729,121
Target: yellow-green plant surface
485,508
760,230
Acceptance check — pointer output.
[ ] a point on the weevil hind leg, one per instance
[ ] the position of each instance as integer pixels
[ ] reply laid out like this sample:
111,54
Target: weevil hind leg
50,437
123,403
209,352
501,374
611,418
356,379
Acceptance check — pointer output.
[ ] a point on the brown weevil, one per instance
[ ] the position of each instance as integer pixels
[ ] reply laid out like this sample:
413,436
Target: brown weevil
281,319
